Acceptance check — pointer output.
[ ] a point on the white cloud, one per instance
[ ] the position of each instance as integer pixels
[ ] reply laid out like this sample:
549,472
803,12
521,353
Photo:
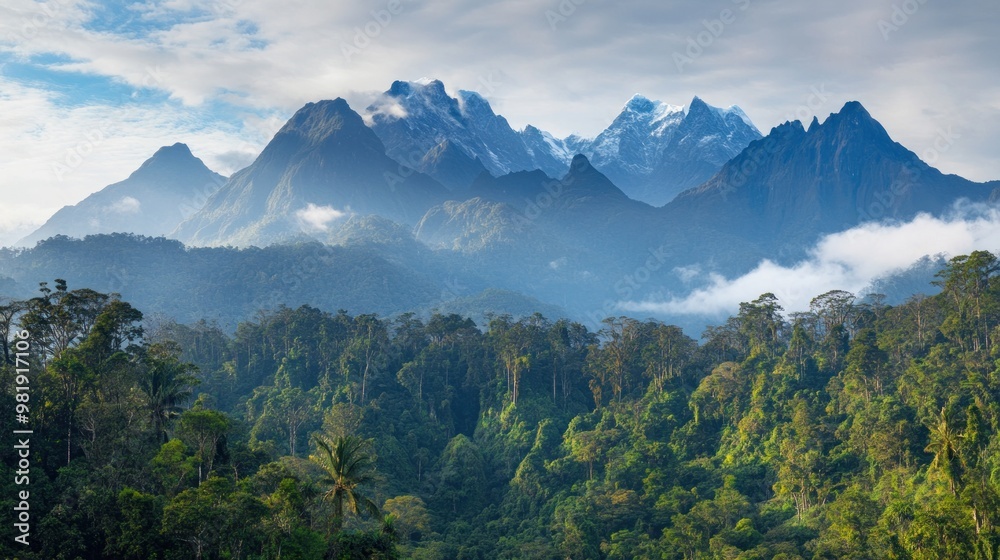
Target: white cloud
127,205
315,218
383,105
848,260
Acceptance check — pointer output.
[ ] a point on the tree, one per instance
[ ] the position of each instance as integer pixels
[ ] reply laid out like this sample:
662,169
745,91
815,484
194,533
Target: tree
365,354
166,383
512,342
204,428
349,466
761,322
945,445
462,476
834,309
411,515
966,281
666,352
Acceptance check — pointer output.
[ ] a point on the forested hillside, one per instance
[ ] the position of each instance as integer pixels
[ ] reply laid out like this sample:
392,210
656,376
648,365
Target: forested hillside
854,430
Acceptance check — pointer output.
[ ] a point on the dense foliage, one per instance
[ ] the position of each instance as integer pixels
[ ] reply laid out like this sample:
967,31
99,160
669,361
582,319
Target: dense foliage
854,430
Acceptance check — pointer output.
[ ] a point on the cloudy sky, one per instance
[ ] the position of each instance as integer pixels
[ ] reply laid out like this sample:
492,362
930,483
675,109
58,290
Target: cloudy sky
88,89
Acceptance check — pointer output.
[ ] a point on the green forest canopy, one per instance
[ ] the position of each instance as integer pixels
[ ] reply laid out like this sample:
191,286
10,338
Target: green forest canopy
853,430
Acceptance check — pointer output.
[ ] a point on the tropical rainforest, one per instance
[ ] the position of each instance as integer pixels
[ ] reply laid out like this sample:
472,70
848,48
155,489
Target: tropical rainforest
855,429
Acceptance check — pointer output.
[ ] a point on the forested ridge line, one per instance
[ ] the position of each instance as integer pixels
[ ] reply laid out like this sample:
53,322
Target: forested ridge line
853,430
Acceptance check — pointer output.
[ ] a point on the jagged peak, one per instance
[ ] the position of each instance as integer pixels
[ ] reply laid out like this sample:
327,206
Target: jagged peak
319,120
641,104
169,156
788,127
699,106
423,86
852,118
177,149
854,107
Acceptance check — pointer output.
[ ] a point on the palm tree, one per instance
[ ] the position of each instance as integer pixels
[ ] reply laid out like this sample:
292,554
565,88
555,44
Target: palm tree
348,465
944,445
166,383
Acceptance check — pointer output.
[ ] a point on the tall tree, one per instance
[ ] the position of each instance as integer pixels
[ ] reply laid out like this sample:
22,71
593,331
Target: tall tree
349,466
166,383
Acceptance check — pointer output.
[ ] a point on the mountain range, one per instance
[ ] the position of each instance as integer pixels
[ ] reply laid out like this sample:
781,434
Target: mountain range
652,150
420,176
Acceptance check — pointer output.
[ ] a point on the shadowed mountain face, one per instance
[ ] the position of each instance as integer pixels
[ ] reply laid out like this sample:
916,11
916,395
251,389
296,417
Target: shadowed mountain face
168,188
787,189
322,166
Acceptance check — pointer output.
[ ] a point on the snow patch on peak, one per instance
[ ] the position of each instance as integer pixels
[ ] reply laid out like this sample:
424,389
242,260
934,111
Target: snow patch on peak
471,100
735,110
658,110
640,104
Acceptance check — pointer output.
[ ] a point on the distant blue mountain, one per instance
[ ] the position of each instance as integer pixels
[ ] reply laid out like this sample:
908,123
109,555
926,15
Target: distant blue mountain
168,188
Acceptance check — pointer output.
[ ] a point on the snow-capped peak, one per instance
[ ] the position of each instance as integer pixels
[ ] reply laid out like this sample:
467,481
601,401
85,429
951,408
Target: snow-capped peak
735,110
641,104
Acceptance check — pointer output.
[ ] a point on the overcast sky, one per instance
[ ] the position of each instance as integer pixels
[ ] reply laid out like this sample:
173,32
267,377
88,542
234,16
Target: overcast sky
88,90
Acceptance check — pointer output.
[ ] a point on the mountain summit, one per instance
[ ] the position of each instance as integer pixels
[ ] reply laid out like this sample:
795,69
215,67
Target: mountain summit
414,119
167,188
324,164
799,183
654,150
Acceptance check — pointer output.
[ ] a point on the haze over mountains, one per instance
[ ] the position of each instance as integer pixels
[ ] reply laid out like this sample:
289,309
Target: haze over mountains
442,189
166,189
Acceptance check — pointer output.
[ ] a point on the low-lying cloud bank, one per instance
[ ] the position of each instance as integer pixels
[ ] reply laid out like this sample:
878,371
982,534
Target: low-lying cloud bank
849,260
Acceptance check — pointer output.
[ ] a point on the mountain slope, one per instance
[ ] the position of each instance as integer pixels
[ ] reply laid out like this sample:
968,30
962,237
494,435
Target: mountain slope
324,164
796,184
153,200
